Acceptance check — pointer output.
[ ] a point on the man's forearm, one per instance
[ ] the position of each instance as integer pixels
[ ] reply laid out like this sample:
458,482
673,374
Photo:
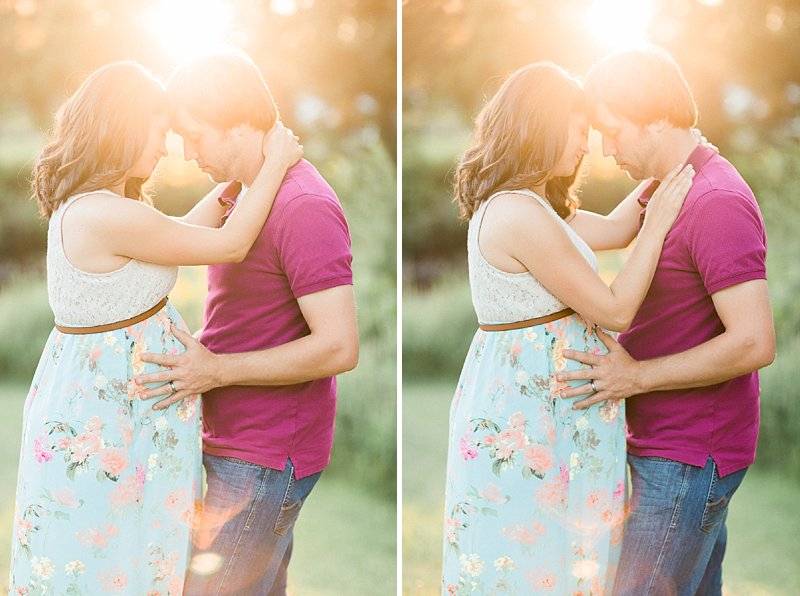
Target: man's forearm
298,361
715,361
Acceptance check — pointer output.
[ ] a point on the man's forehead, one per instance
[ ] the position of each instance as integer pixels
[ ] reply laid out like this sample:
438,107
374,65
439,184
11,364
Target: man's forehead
602,118
183,122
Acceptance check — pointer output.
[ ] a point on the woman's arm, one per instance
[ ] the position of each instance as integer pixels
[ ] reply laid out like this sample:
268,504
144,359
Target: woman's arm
615,230
538,242
208,211
135,230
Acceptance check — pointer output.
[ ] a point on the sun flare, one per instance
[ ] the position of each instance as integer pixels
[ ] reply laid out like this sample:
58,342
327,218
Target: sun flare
187,27
620,23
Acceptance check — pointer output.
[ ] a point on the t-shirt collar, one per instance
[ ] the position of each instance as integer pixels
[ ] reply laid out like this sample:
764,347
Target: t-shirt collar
228,198
698,158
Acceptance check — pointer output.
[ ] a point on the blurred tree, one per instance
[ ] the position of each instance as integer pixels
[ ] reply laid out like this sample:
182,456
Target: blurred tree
344,53
741,59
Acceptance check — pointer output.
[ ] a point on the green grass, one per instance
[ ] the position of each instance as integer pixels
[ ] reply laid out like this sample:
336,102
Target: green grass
344,540
763,525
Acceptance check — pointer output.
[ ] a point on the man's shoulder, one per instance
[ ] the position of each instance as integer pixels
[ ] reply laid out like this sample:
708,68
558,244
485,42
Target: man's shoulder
303,180
719,178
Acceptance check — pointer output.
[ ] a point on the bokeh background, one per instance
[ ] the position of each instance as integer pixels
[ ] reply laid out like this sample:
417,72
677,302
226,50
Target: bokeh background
331,66
742,61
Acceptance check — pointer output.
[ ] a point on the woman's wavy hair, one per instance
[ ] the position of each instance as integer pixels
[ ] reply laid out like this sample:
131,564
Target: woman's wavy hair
520,135
99,134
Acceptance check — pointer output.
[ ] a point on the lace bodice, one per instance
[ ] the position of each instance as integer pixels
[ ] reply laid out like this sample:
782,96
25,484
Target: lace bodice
503,297
82,299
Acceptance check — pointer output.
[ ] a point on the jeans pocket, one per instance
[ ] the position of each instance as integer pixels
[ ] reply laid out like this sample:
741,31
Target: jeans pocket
296,493
713,514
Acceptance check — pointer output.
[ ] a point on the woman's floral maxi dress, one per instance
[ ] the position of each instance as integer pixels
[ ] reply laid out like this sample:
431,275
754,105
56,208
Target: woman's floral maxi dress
107,485
535,491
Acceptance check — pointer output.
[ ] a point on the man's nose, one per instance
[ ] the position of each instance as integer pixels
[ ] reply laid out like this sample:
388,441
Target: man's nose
609,149
189,152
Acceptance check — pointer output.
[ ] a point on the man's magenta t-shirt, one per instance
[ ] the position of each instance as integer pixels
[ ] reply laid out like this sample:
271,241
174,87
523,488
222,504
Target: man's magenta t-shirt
717,241
303,248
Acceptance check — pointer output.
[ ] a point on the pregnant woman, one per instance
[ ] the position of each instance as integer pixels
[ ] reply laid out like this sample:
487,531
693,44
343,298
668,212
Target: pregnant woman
535,490
107,485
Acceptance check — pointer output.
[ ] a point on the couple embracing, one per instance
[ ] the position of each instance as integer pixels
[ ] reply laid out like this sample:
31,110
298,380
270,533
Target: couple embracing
109,478
536,492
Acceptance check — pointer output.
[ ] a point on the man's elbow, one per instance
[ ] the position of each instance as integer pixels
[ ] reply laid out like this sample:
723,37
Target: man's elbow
761,351
345,356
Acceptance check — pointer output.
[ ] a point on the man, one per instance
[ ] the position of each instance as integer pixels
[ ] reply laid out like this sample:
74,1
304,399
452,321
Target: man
278,327
688,360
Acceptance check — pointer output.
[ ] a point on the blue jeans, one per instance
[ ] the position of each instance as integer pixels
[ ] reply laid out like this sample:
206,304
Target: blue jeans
675,534
244,540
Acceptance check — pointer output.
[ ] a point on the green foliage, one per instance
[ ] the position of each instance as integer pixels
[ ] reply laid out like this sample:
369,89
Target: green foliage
365,444
25,324
770,172
432,232
778,444
438,325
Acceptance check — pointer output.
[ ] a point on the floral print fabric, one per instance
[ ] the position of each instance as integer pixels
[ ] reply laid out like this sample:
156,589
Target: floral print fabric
107,485
535,493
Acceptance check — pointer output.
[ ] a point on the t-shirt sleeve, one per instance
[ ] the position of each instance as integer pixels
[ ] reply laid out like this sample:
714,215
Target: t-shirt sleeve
727,240
313,242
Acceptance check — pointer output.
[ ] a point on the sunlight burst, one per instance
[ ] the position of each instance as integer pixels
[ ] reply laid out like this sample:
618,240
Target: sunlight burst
620,23
187,27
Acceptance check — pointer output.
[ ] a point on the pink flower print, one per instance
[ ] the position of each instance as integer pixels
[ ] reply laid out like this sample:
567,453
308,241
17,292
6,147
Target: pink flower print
42,453
85,445
95,354
63,444
539,458
94,424
135,391
452,589
154,593
492,493
165,567
113,461
140,475
113,582
23,527
66,497
509,441
525,535
564,478
619,492
137,364
22,591
559,361
177,502
175,586
541,581
97,538
592,500
125,493
468,450
549,495
516,349
516,420
451,525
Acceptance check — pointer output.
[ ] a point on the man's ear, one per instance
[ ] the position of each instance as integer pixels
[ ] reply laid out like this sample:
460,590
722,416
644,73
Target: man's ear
658,126
240,130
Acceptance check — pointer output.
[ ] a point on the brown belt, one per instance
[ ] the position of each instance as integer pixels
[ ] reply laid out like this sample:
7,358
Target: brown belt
113,326
529,323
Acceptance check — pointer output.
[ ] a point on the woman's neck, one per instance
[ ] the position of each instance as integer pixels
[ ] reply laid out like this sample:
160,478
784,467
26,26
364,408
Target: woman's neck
540,190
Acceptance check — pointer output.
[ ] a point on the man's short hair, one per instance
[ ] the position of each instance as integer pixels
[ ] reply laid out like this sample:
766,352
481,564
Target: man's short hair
224,89
643,85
